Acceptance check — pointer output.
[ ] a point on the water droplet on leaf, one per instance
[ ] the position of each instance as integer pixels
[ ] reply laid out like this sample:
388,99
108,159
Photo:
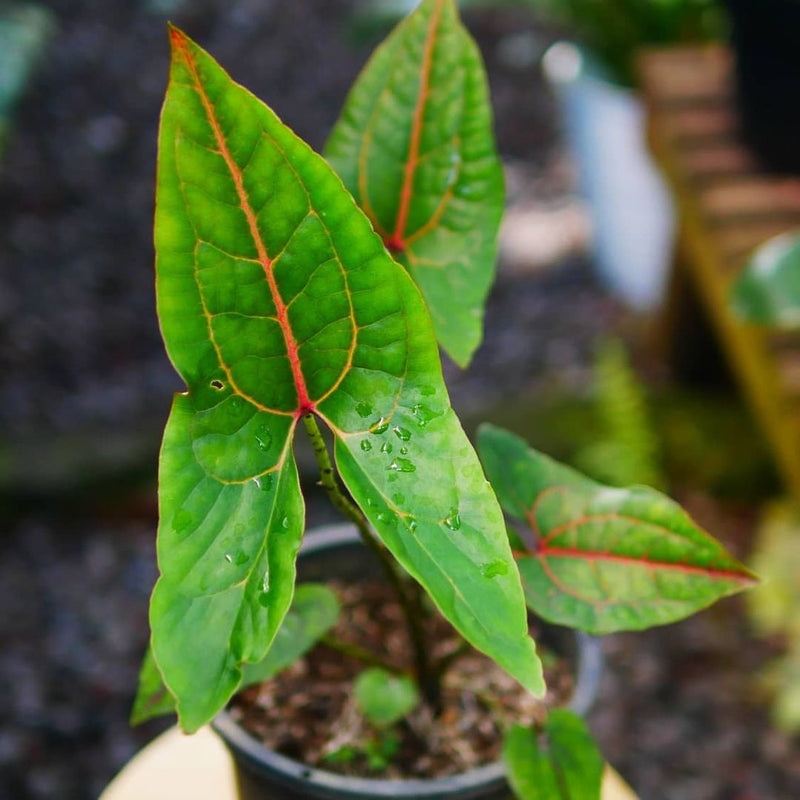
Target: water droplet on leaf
264,438
366,445
412,524
403,451
229,558
363,409
401,465
494,569
423,414
381,426
453,520
264,482
240,558
402,434
386,447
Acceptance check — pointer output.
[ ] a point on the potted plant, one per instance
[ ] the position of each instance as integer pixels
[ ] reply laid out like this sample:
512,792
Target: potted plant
603,119
289,296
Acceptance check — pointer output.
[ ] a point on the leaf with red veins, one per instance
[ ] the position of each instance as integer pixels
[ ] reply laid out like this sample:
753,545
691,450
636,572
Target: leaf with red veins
603,559
415,146
276,299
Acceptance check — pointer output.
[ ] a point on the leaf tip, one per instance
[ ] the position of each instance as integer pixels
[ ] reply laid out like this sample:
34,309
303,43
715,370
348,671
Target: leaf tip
177,38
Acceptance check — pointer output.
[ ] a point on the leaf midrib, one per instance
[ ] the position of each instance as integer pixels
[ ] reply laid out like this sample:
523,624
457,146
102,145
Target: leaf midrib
304,402
667,566
396,240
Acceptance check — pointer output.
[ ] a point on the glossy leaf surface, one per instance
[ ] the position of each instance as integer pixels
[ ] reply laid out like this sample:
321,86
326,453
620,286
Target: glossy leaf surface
384,698
563,763
768,290
603,559
415,147
276,299
314,610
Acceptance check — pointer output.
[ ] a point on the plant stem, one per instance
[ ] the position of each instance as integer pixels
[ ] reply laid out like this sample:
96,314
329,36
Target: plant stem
359,653
410,601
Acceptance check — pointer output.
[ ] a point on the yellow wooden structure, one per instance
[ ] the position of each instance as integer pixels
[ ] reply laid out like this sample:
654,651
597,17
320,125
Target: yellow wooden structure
726,206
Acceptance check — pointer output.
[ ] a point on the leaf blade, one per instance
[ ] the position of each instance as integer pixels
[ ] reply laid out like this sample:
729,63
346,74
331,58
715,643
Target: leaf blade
448,532
275,299
384,698
415,146
226,552
603,559
568,766
767,292
313,612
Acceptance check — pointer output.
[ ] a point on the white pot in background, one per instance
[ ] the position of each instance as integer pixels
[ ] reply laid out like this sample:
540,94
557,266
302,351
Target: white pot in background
632,212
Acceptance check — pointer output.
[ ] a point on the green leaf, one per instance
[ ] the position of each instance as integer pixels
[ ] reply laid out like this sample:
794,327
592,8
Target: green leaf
561,764
603,559
152,698
415,147
768,290
314,611
276,299
384,698
229,530
420,484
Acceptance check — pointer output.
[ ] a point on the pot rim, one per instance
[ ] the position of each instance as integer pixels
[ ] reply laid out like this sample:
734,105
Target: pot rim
259,756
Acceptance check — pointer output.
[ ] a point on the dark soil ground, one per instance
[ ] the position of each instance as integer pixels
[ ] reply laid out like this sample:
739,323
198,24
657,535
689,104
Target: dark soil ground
86,388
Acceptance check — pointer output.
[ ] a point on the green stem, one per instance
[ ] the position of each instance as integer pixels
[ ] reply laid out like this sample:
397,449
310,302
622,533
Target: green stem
410,602
359,654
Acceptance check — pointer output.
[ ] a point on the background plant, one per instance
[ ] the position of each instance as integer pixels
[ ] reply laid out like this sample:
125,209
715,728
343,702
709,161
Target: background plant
612,30
626,449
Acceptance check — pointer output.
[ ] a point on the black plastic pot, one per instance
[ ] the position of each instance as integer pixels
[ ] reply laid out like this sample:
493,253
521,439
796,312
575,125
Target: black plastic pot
262,774
765,35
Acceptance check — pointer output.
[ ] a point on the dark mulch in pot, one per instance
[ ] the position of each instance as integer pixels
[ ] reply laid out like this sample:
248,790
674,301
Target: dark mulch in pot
308,711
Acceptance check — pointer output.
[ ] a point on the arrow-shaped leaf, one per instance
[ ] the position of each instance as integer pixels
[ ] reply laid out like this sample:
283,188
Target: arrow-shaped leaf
276,299
415,147
603,559
563,763
314,611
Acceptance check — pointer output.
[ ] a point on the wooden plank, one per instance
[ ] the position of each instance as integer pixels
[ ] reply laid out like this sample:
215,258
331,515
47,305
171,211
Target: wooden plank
726,208
681,75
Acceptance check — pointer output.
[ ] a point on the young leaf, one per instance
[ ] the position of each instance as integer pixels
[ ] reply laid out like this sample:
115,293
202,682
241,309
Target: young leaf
313,613
384,698
768,290
276,299
603,559
562,764
415,147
